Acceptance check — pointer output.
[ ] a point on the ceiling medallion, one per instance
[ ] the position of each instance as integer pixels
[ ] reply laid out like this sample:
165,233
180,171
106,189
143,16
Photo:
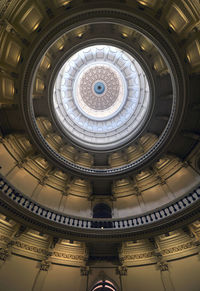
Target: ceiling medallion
99,91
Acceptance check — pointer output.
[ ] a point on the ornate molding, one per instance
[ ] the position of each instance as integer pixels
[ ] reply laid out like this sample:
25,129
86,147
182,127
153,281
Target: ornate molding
140,256
178,248
69,256
31,248
43,251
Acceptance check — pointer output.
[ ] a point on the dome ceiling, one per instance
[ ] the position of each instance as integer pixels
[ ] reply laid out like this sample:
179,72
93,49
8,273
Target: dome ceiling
134,118
101,97
105,101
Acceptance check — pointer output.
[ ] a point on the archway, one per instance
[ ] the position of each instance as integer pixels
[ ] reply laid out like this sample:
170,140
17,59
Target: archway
102,210
104,285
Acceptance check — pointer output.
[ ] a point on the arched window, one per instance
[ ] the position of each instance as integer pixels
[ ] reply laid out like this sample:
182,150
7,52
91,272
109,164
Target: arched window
102,210
104,285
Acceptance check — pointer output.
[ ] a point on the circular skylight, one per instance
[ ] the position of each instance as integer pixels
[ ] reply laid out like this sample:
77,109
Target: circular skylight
101,97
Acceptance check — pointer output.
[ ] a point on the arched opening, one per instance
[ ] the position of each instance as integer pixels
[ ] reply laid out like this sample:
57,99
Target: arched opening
102,210
104,285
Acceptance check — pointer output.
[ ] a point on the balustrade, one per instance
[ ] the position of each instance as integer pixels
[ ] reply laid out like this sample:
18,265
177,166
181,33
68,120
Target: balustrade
61,218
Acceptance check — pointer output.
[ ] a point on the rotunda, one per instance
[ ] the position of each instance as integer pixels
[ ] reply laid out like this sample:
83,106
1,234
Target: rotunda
99,152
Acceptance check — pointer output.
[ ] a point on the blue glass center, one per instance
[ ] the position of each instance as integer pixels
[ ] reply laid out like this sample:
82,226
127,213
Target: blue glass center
99,87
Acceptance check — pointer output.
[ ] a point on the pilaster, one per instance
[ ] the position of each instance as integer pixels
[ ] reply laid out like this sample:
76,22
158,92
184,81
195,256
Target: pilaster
85,271
165,276
122,272
41,275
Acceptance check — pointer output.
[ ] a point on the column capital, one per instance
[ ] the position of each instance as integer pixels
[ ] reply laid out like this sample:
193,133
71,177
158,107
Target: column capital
85,270
44,266
4,253
122,270
163,266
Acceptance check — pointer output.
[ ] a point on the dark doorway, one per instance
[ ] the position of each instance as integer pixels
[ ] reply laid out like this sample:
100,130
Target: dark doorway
102,210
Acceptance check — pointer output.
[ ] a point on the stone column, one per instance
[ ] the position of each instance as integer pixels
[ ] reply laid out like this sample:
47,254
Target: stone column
165,276
41,276
85,270
122,271
44,265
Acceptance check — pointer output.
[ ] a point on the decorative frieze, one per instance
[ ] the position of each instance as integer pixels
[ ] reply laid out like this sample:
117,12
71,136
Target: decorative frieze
178,248
138,256
31,248
69,256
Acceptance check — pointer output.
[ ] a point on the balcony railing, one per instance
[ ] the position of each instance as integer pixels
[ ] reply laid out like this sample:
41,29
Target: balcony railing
80,222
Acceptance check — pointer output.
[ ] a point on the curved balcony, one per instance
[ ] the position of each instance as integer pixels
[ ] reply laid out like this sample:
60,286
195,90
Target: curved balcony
78,222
